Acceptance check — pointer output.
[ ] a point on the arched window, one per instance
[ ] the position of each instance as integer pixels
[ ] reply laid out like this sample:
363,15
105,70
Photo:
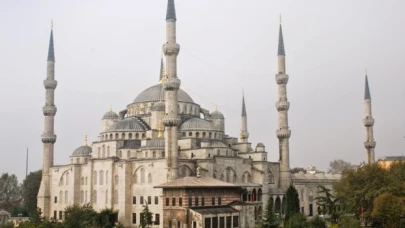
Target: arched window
204,134
103,152
210,135
94,196
142,176
82,181
154,154
67,178
190,134
116,136
143,135
95,178
86,181
137,135
259,195
108,151
60,196
123,136
77,160
101,177
116,179
146,154
130,136
111,136
106,197
66,197
128,154
197,134
218,152
184,134
115,197
270,177
163,154
106,177
150,178
81,197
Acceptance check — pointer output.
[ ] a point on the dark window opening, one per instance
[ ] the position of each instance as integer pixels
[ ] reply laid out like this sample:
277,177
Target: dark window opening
173,202
167,202
60,215
55,213
221,222
56,199
149,199
219,201
203,201
196,201
133,218
141,200
157,219
215,222
207,222
213,201
235,221
180,202
228,222
134,200
190,202
156,200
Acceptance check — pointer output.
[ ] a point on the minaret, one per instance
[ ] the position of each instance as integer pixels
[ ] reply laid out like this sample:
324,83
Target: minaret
171,85
283,131
244,134
48,136
368,121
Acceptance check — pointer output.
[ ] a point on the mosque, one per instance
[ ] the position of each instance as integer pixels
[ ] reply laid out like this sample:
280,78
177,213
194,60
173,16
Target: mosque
168,152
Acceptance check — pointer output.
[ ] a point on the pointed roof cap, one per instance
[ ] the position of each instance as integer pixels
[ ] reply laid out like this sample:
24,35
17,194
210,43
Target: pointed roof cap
367,91
281,50
243,106
51,54
171,10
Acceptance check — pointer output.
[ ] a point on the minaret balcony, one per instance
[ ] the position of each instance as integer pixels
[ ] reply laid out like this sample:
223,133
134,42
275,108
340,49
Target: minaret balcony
283,133
244,135
281,78
368,121
282,105
171,83
171,120
48,138
370,144
49,110
171,49
50,84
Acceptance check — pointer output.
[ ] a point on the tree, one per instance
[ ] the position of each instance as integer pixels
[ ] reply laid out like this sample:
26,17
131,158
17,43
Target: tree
270,219
80,216
316,222
10,192
358,188
30,188
297,170
388,210
296,220
106,218
293,202
349,222
146,217
337,166
329,203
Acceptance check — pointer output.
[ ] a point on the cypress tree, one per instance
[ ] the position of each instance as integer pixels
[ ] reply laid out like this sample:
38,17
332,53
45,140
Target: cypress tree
270,219
293,202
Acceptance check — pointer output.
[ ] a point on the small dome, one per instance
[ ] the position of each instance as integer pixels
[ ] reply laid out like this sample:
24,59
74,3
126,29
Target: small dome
160,106
128,124
158,143
217,115
196,124
157,92
110,115
82,151
260,145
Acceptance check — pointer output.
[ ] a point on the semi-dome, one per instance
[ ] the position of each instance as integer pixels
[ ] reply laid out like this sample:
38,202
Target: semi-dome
260,144
110,115
158,143
160,106
82,151
196,124
157,92
217,115
128,124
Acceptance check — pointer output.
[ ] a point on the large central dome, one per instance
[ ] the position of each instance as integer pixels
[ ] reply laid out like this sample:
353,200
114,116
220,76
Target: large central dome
157,92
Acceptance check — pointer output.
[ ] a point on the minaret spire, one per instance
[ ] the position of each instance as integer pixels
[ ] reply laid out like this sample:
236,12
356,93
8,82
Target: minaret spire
48,136
171,84
283,131
244,135
368,121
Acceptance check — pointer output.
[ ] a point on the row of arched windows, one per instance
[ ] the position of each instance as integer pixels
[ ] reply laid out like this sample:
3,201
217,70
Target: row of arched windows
123,136
63,194
140,175
203,134
146,109
106,197
83,181
101,151
100,180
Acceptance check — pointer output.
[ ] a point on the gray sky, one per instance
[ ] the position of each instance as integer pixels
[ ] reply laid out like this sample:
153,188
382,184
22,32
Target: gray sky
107,52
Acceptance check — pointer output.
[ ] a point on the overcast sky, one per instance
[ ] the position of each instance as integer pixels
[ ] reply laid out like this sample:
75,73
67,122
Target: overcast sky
107,52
